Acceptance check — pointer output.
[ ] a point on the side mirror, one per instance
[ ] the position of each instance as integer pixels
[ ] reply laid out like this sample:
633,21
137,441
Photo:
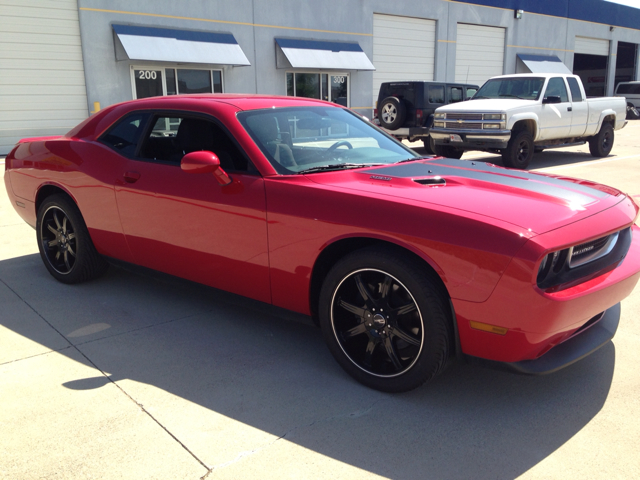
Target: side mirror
552,99
205,162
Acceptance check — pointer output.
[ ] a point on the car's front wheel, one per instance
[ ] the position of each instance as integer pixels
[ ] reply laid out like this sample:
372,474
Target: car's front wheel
64,242
519,151
385,319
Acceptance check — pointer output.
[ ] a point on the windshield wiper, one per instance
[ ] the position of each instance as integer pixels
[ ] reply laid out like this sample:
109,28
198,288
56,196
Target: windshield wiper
512,96
339,166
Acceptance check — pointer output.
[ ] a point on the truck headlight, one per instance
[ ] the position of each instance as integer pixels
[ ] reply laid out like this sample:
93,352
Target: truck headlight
492,125
440,115
438,124
495,116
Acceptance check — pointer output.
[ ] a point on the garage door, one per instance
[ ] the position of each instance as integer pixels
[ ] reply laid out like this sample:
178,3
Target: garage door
479,53
591,46
403,49
42,88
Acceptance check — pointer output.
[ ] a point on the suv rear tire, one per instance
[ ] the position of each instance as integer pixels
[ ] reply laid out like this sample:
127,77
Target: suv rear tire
392,113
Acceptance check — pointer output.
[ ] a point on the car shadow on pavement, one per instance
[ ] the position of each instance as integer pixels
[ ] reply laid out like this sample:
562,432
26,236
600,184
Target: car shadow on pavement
269,369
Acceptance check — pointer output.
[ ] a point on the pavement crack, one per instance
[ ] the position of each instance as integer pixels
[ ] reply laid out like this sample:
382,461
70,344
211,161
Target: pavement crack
91,362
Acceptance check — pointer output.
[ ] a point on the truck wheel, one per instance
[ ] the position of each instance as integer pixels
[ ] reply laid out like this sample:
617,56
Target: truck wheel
632,112
600,144
447,151
519,151
427,142
392,113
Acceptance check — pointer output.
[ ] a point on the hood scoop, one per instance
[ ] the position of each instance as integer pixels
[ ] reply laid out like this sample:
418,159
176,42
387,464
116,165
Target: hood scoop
437,180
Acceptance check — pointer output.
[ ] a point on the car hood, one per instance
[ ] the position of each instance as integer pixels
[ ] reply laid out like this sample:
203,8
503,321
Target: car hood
487,105
534,202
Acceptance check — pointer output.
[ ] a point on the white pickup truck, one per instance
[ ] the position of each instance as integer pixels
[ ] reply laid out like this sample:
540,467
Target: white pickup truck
515,115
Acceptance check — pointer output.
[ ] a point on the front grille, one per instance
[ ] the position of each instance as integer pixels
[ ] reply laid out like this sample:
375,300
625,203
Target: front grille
464,116
464,125
590,251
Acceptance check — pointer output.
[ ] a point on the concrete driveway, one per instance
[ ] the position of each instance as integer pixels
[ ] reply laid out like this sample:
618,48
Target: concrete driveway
136,376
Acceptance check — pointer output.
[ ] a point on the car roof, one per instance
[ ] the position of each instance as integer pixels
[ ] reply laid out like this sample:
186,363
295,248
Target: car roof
240,101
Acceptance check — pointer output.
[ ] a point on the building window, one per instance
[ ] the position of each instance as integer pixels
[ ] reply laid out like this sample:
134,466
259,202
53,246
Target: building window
324,86
154,82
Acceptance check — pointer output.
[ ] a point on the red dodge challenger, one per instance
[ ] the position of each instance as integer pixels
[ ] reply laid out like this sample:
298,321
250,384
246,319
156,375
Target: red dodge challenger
404,261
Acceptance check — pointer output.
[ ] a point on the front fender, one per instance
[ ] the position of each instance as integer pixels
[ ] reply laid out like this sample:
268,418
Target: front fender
525,116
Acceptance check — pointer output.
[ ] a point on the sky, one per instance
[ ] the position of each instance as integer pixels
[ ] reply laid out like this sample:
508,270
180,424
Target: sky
630,3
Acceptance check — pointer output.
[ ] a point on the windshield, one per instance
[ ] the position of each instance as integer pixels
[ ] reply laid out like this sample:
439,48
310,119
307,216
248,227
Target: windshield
300,139
525,88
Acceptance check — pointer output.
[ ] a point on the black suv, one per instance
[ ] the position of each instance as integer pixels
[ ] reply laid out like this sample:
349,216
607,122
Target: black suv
405,109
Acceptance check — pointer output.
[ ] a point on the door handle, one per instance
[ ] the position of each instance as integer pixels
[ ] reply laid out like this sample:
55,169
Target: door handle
569,109
131,177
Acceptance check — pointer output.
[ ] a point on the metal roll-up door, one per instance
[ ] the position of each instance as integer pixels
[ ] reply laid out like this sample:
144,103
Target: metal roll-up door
591,46
42,86
479,53
403,49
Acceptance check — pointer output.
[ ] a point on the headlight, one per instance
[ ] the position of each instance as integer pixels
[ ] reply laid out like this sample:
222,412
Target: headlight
438,124
440,115
495,116
492,125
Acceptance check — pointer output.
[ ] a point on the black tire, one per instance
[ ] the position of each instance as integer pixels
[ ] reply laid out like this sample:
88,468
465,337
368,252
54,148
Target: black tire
632,112
392,113
600,144
447,151
427,145
519,151
385,320
64,242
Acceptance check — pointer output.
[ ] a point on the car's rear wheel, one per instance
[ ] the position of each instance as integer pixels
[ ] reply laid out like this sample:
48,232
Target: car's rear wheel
392,113
600,144
519,151
385,320
64,242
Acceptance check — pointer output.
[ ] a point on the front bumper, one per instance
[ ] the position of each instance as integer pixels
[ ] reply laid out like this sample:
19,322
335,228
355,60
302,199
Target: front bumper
568,352
410,132
471,139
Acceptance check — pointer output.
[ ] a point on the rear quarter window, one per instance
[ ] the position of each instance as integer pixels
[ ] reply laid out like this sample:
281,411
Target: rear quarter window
124,136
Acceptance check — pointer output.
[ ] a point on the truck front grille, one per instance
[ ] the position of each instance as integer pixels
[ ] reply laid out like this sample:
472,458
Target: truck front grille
464,116
464,125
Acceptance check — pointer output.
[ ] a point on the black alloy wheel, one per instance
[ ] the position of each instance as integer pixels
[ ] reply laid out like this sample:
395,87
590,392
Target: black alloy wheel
64,242
377,323
384,320
601,144
519,151
58,239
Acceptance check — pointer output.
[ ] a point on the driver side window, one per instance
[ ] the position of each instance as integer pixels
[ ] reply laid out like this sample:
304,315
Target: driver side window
557,87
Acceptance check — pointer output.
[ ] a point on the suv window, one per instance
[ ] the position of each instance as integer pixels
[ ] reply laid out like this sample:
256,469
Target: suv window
471,92
629,88
556,87
173,136
455,94
124,136
436,93
576,95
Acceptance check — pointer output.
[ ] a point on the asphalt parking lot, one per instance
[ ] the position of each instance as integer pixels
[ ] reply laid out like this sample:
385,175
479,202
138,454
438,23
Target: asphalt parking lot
133,376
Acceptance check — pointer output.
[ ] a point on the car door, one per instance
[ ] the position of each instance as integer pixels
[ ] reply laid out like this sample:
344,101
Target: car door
555,118
187,224
580,109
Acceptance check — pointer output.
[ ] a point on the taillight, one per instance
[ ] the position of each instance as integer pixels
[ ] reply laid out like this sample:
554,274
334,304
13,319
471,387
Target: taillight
419,116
